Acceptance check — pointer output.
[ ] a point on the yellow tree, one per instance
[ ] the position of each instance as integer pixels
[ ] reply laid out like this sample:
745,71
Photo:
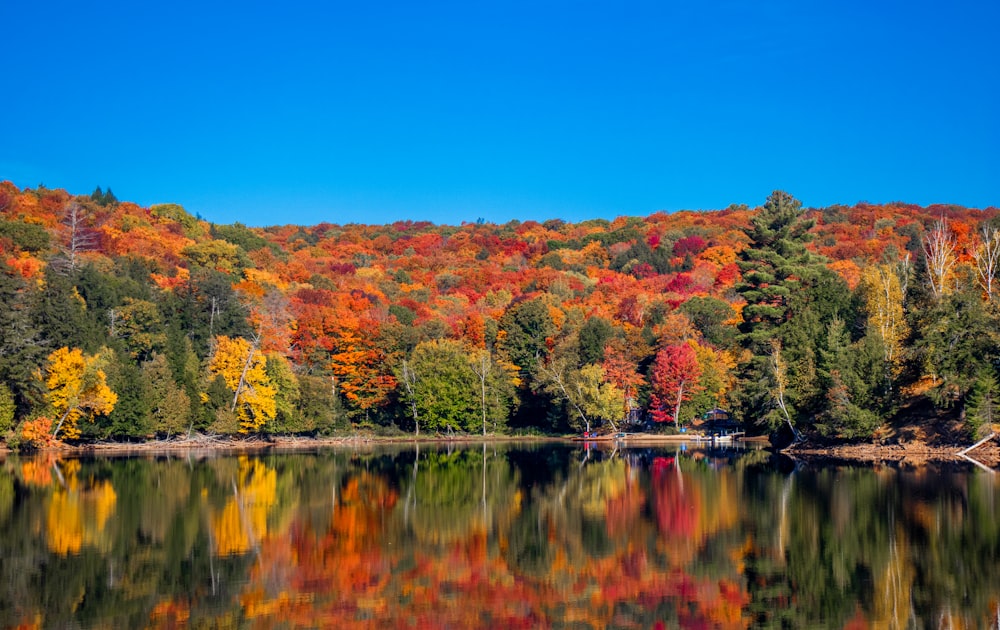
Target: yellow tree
242,366
882,292
717,374
77,389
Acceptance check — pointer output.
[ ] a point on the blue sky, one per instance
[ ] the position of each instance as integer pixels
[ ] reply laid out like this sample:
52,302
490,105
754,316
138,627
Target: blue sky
370,112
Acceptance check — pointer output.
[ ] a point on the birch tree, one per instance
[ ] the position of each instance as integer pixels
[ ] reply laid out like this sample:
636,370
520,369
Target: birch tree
987,257
779,376
939,255
882,293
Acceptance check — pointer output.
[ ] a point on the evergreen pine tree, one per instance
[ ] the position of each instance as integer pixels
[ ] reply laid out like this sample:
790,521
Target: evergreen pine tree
782,281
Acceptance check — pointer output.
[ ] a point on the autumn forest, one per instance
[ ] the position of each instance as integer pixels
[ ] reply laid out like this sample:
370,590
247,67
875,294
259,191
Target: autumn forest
839,323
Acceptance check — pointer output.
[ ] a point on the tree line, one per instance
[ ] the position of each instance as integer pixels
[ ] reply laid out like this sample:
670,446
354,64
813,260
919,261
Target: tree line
123,322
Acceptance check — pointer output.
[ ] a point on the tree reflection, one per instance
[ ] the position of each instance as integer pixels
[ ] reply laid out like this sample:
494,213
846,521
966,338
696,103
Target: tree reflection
490,535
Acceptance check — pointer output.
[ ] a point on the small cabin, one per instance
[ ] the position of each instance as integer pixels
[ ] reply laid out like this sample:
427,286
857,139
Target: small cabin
718,422
713,415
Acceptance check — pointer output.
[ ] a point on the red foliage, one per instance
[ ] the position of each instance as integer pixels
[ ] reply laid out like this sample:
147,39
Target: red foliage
693,245
675,375
680,283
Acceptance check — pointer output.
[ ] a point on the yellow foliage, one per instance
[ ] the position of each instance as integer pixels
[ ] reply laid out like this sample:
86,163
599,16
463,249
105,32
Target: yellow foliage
721,255
242,367
894,585
78,388
883,296
718,368
263,277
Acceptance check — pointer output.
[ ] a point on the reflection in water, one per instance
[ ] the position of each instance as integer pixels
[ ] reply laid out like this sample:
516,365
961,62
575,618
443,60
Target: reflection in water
494,535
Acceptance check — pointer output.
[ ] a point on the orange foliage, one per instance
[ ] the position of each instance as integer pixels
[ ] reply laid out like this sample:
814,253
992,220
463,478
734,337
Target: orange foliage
38,432
848,270
26,265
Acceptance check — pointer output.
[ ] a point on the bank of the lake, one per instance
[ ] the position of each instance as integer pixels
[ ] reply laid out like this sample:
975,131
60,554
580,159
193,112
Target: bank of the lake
907,453
914,453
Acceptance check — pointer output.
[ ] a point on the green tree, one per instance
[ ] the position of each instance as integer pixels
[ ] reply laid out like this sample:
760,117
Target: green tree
286,398
982,412
523,334
497,393
774,265
29,237
139,325
7,409
709,315
958,337
60,312
847,412
170,412
205,307
22,348
594,336
445,391
791,297
524,329
131,414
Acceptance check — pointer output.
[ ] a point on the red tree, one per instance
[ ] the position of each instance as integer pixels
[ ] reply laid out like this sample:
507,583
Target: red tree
674,379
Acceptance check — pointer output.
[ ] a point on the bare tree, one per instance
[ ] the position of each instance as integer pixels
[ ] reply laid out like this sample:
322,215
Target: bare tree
987,257
77,238
410,382
939,254
482,365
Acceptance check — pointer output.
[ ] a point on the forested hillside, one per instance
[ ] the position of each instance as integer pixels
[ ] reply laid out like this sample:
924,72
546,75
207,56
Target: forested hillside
119,321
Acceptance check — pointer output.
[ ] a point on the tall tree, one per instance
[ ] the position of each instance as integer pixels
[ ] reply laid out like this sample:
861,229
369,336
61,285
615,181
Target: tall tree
774,265
447,393
21,345
782,281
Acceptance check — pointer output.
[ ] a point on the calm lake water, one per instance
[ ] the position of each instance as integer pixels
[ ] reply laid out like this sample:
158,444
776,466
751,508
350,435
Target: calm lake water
495,536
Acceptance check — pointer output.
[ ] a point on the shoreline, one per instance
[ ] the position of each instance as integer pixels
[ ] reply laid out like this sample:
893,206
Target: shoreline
986,455
250,444
912,453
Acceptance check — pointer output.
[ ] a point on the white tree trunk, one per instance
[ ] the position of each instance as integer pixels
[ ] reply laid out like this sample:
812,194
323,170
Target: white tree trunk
987,257
939,253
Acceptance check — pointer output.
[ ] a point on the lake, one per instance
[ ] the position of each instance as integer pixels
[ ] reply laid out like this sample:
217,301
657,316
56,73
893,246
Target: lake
495,535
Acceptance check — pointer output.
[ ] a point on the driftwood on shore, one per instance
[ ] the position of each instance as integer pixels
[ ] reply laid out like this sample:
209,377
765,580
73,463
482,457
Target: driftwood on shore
986,455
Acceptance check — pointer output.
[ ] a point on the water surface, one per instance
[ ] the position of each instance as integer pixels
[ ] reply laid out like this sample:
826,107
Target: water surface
495,536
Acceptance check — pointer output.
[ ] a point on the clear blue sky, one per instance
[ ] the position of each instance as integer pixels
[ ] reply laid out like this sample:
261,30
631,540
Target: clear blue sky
293,112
